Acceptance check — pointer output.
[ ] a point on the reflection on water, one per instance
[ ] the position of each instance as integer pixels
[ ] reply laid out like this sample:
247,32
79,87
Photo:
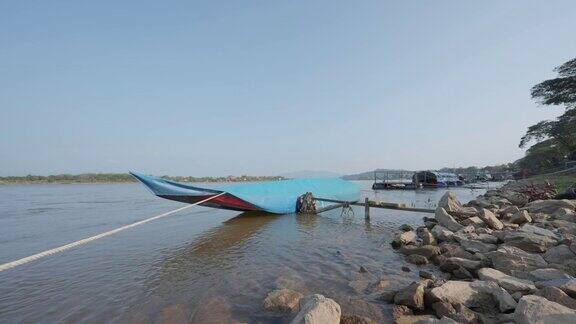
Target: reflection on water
203,264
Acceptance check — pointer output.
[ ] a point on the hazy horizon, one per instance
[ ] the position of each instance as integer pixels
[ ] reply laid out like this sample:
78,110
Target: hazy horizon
211,88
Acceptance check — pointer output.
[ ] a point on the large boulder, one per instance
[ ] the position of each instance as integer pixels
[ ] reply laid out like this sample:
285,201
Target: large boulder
413,295
477,246
282,300
446,220
548,274
566,285
490,219
558,254
521,217
404,238
516,198
449,202
558,296
453,263
531,238
474,221
510,258
511,284
317,309
441,233
425,250
426,236
549,206
535,309
475,295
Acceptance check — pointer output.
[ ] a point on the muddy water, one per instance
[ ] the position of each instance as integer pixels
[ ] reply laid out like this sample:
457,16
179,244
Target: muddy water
201,263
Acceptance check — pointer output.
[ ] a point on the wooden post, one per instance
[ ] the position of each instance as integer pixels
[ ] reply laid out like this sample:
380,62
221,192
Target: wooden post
366,209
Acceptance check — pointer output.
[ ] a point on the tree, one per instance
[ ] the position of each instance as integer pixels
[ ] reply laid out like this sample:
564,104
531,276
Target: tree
555,139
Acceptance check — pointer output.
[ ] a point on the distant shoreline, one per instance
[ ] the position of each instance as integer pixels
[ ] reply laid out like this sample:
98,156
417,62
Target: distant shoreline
110,178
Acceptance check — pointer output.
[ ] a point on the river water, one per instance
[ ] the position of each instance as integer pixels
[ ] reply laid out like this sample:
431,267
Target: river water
200,264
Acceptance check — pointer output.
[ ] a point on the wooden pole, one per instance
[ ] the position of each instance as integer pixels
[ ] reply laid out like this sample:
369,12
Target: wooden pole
366,209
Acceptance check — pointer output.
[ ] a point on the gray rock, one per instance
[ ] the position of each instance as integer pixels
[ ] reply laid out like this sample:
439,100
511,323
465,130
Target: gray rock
453,263
404,238
521,217
473,221
565,214
426,236
529,242
508,258
417,259
477,246
514,197
449,202
441,233
405,228
413,295
317,309
549,206
566,285
490,219
473,294
508,210
446,220
511,284
535,309
425,250
558,296
282,300
558,254
548,274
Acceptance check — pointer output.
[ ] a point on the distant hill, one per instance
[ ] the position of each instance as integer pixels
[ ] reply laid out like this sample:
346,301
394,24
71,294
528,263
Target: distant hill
310,174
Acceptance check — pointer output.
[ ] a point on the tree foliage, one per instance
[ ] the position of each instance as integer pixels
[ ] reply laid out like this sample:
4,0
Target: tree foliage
555,140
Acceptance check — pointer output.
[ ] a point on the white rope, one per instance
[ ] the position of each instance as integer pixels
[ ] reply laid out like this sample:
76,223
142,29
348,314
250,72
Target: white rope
63,248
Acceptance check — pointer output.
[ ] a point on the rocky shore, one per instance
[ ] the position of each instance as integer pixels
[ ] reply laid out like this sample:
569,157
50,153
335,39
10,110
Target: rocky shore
509,256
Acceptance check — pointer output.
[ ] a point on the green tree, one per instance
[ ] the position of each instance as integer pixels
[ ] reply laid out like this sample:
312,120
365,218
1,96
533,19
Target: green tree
555,139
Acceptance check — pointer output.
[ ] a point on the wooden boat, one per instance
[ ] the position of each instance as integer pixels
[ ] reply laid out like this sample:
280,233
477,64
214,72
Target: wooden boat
278,197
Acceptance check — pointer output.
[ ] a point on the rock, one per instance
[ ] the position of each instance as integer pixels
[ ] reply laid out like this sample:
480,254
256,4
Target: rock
529,241
548,274
426,236
453,263
508,258
442,308
566,285
406,269
514,197
477,294
508,210
536,309
564,227
521,217
317,309
466,230
558,254
564,214
483,230
549,206
473,221
425,250
178,313
387,296
417,259
404,238
446,220
449,202
517,295
486,238
441,233
462,274
356,319
413,295
426,275
527,228
401,310
558,296
490,219
282,300
476,246
414,319
453,250
363,269
511,284
212,310
405,228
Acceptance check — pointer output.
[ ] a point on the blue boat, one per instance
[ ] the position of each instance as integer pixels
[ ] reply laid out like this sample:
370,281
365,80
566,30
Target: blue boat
278,197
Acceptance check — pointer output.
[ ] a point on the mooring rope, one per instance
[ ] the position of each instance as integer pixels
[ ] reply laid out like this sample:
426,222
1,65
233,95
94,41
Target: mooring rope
69,246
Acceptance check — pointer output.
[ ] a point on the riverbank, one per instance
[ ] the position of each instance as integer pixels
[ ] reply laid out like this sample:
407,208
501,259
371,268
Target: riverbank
508,256
110,178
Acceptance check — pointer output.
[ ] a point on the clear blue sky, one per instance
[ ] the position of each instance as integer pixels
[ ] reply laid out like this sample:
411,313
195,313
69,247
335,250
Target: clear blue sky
266,87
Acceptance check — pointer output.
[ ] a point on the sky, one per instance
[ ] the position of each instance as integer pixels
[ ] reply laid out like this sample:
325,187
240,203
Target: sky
262,87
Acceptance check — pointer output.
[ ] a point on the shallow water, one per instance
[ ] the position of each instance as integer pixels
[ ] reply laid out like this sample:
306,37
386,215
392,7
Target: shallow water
200,263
